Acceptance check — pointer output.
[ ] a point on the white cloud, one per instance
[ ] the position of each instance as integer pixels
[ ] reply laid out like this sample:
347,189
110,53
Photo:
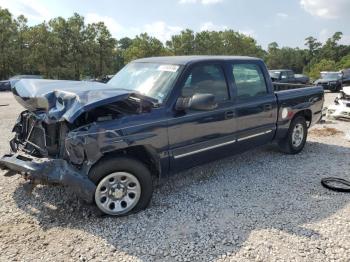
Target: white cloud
248,32
326,9
161,30
282,15
34,10
345,40
113,26
210,26
203,2
158,29
325,34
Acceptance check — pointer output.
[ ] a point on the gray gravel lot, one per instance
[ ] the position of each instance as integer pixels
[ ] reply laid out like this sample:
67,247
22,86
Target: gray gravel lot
258,206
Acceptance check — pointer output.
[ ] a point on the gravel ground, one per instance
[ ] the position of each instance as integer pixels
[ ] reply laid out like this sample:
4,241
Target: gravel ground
258,206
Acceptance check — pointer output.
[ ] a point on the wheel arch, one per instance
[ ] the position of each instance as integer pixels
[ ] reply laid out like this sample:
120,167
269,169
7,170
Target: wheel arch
146,154
306,113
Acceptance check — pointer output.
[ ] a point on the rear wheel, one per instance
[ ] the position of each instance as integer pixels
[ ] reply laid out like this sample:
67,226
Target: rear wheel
295,140
123,186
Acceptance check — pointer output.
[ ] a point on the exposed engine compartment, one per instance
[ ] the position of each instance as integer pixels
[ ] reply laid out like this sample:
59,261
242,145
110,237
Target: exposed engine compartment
131,105
40,138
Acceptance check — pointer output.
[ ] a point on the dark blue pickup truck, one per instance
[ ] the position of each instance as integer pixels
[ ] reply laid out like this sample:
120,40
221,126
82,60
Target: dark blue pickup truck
155,117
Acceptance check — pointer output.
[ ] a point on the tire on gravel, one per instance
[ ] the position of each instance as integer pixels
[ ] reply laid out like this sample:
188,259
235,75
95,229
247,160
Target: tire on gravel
129,165
286,144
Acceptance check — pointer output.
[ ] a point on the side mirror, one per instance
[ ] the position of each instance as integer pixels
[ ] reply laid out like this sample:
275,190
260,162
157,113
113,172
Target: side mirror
203,102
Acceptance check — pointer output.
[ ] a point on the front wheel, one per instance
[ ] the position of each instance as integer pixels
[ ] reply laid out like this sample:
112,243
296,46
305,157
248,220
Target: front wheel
123,186
295,140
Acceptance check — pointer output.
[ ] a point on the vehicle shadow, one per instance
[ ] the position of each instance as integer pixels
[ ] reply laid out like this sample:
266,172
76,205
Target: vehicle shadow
211,210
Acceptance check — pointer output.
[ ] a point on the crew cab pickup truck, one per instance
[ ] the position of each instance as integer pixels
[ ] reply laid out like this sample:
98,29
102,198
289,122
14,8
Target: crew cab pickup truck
155,117
288,76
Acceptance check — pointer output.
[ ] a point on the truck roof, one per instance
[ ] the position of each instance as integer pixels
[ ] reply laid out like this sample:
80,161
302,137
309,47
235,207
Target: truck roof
183,60
280,70
330,72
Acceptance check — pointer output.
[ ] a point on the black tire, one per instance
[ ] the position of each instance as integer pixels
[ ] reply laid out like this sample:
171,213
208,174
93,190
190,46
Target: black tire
286,144
132,166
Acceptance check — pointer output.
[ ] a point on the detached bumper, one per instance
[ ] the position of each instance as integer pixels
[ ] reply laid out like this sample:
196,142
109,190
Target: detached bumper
50,172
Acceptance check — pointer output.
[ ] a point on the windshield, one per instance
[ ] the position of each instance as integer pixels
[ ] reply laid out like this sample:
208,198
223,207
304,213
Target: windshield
331,76
275,74
149,79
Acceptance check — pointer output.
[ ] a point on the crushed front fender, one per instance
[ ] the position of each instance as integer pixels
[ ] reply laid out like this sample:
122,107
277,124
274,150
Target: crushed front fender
48,171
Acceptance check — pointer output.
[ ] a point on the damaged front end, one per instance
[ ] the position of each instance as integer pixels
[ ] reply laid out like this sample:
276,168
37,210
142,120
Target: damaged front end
46,171
37,152
341,107
53,144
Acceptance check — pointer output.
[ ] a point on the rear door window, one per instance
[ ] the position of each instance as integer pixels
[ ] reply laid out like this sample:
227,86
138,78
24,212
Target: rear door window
249,81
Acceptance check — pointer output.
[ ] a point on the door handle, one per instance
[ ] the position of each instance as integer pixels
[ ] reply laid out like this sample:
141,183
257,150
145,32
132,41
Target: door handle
229,114
267,107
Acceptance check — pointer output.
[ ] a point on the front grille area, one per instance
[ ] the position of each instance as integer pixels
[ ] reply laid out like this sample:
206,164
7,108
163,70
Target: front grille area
37,136
31,135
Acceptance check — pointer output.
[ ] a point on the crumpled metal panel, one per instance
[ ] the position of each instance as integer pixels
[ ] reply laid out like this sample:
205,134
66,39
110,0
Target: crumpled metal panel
50,172
65,100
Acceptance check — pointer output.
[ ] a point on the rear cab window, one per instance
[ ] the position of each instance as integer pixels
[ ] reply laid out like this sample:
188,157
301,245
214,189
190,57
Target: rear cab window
249,81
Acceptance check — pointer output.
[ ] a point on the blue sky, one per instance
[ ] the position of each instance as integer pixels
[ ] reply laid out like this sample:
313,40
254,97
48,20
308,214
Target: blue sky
288,22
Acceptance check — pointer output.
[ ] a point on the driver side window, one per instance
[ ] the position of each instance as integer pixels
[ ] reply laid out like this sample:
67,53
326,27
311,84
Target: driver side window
206,79
284,75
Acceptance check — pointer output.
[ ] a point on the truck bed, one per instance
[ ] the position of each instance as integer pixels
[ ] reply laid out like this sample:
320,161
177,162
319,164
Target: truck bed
287,86
303,97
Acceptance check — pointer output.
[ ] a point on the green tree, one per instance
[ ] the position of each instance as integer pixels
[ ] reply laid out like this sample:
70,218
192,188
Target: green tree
20,62
144,46
61,48
344,63
183,43
8,33
102,49
71,49
323,65
330,50
286,58
41,49
76,36
226,42
313,46
124,43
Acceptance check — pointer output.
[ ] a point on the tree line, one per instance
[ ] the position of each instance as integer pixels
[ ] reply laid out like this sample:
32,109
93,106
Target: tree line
71,49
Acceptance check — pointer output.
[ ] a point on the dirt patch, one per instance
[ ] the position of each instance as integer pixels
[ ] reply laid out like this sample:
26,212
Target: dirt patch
325,131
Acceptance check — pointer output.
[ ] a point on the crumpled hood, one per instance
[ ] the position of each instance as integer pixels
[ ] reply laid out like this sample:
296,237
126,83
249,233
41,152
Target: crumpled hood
65,100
